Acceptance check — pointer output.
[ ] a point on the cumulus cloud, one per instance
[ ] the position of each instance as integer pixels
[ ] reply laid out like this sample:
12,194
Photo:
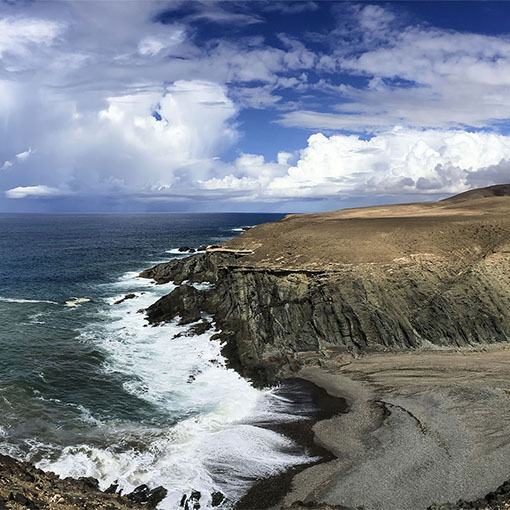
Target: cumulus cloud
32,191
395,162
152,106
249,174
22,156
138,142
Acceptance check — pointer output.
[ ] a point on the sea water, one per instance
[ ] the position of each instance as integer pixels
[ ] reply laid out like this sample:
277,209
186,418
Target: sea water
87,388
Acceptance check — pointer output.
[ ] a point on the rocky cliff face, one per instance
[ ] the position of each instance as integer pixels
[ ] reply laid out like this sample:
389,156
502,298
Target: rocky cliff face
391,278
274,321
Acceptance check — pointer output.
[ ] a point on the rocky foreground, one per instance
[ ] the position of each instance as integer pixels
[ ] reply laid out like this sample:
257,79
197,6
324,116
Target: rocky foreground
404,311
22,487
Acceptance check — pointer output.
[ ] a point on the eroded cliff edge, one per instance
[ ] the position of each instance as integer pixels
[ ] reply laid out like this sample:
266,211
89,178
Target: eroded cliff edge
389,278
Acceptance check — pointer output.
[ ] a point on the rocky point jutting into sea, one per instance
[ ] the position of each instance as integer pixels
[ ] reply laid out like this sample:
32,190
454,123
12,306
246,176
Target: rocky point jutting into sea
402,310
413,276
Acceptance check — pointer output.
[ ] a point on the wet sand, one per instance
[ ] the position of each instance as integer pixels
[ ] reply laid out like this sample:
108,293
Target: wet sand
304,394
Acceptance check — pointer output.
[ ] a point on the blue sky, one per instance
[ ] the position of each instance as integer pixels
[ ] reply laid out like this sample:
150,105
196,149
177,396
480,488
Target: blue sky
249,106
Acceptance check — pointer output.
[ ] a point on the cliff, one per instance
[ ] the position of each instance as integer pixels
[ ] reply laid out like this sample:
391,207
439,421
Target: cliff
386,278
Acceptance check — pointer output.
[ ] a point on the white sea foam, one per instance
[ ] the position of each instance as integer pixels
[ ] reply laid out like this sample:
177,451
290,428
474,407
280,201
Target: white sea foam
73,302
36,318
176,251
12,300
242,229
202,286
211,447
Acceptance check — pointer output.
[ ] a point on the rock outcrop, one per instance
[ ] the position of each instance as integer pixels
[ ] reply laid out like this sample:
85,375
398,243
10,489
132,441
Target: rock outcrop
22,486
413,276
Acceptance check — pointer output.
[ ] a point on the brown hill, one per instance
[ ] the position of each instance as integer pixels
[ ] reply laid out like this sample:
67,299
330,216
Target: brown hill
499,190
461,229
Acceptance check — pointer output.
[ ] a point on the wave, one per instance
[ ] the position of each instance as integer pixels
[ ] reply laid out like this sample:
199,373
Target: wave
205,438
35,318
176,251
244,228
76,301
13,300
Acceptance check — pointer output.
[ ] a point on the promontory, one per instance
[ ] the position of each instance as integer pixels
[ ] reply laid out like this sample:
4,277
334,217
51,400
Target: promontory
404,310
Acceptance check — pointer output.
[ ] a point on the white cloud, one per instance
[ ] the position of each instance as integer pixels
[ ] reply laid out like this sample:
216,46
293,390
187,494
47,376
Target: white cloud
147,109
7,164
249,173
18,35
195,126
32,191
284,158
22,156
123,148
398,161
395,162
152,45
418,76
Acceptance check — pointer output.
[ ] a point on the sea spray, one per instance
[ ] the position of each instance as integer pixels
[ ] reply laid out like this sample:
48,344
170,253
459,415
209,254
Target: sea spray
202,433
89,390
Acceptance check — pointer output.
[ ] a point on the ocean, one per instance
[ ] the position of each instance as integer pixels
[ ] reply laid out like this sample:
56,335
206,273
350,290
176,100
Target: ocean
87,388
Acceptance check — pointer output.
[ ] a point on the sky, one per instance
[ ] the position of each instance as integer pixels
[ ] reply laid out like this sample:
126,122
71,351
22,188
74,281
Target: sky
291,106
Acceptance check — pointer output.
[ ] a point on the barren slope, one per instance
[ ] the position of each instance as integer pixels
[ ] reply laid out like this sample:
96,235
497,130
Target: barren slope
457,231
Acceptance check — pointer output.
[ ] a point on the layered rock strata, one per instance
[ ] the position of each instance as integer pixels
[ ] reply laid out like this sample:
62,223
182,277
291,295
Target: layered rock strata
414,276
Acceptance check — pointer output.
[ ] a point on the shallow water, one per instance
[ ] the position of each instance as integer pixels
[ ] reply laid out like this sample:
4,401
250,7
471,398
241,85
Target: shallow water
88,389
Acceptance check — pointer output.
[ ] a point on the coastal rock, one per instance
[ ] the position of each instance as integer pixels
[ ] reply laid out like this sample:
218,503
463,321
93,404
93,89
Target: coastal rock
184,301
191,502
271,320
89,482
414,276
198,268
112,489
195,329
125,298
24,486
217,498
151,498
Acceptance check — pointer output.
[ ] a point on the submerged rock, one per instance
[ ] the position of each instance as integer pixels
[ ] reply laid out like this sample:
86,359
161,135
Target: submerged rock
217,498
191,502
125,298
151,497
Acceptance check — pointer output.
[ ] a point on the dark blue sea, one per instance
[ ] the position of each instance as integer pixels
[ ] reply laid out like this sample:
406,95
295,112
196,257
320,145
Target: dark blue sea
88,389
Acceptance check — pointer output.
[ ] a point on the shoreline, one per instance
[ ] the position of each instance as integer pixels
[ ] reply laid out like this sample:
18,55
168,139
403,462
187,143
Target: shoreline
268,491
421,432
396,405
